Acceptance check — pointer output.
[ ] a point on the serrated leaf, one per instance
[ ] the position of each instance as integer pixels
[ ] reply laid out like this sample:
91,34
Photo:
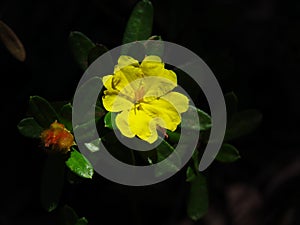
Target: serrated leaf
79,164
204,119
80,46
42,111
242,123
30,128
197,204
227,154
52,182
139,24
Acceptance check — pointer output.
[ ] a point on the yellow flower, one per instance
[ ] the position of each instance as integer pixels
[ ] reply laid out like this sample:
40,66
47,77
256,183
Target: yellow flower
142,95
57,138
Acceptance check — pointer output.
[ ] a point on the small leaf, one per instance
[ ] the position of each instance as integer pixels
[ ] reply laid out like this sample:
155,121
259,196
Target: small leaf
242,123
96,52
164,149
30,128
190,174
197,204
79,164
68,215
204,119
42,111
87,91
228,153
66,116
80,46
139,25
12,42
110,120
52,182
82,221
173,137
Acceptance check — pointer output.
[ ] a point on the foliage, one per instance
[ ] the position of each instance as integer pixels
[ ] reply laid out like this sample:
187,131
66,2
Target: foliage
42,113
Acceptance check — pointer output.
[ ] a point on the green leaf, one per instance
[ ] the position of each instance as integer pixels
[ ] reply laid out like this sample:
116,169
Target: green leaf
82,221
80,46
66,116
173,137
52,182
117,149
231,102
197,204
192,171
30,128
68,215
88,90
42,111
136,50
204,119
190,174
110,120
139,24
242,123
96,52
164,149
227,154
79,164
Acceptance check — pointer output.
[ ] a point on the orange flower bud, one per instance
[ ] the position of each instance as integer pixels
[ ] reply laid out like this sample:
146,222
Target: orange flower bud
57,138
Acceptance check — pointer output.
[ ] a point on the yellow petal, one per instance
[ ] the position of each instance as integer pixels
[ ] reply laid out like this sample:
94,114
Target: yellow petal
107,81
125,73
179,101
157,86
115,102
122,122
160,108
153,66
125,60
143,125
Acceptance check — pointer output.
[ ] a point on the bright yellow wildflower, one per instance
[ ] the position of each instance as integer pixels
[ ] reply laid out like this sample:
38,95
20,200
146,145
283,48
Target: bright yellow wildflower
142,95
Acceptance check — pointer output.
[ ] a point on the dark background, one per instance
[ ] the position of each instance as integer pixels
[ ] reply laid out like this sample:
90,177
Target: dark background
252,48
